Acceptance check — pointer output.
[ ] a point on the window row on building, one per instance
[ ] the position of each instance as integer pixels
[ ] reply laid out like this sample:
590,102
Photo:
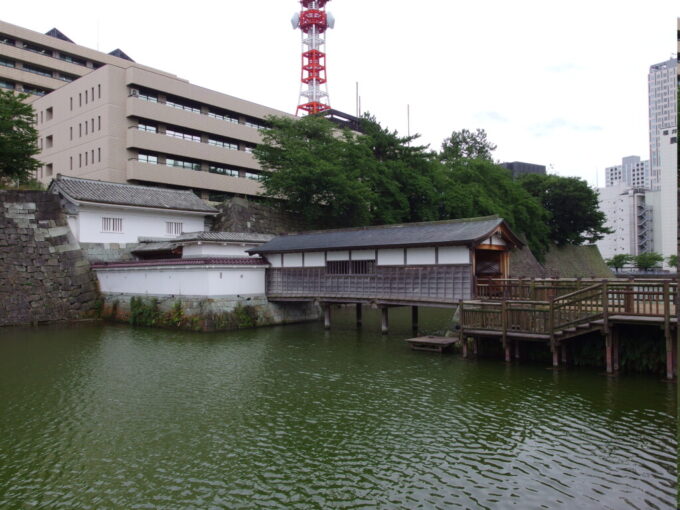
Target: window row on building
196,165
82,160
22,87
48,52
88,95
195,107
193,136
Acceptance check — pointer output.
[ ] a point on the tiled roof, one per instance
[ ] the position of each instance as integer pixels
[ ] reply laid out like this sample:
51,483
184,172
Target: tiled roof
223,261
450,232
226,236
87,190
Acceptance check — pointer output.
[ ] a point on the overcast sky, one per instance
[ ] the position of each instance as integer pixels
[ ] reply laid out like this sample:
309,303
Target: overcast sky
562,84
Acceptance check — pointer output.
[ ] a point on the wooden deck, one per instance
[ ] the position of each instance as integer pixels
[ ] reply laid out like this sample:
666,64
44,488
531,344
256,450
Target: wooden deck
555,311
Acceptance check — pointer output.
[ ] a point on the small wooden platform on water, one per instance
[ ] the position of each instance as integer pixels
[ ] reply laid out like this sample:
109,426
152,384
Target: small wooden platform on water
432,343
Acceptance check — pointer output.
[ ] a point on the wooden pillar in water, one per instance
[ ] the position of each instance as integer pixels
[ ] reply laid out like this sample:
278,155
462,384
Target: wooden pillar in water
414,319
359,315
675,358
475,346
563,353
327,316
609,351
555,356
517,350
384,320
670,343
615,349
670,347
464,345
508,350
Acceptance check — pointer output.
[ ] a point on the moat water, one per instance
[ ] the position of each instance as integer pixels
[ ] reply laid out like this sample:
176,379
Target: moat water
102,416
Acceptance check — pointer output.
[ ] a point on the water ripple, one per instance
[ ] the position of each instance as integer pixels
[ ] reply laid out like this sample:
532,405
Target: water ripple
101,417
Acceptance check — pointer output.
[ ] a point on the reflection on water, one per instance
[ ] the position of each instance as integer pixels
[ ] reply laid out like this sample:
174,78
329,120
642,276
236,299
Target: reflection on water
293,417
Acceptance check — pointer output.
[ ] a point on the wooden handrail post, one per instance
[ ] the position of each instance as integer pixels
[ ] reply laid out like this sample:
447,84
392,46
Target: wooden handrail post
504,325
605,306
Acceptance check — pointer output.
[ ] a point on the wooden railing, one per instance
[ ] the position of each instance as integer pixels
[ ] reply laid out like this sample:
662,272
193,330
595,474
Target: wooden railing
414,284
532,317
557,307
578,307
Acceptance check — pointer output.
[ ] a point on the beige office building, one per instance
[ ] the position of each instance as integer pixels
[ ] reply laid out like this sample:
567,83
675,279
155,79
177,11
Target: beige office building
135,125
103,116
37,63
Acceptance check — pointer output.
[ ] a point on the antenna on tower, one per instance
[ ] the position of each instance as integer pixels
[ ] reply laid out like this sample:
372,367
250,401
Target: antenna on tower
313,21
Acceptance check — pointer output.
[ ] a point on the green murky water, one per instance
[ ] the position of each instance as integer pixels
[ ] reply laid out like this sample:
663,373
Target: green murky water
293,417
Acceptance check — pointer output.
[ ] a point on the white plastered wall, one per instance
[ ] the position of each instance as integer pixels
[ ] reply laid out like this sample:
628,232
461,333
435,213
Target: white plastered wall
183,281
137,223
197,250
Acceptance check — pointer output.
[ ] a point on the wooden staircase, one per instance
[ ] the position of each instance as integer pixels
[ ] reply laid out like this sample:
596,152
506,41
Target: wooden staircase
554,311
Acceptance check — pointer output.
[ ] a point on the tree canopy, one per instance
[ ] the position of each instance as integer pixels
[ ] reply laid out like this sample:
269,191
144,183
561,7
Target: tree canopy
648,260
575,216
18,139
618,261
466,145
332,177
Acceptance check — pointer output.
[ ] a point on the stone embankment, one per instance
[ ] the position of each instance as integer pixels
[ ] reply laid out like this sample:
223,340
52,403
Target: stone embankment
44,276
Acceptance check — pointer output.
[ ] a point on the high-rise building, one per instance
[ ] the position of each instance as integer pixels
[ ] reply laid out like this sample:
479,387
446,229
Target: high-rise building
663,112
630,218
664,201
632,172
37,63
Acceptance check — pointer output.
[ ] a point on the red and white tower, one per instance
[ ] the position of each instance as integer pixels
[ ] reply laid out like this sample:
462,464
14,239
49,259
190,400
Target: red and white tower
313,21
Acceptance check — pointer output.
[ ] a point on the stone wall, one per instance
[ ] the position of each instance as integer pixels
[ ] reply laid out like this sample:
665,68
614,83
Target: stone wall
44,276
241,215
204,314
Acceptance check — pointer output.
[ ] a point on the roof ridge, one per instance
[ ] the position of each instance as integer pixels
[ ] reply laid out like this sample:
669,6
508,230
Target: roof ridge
61,177
397,225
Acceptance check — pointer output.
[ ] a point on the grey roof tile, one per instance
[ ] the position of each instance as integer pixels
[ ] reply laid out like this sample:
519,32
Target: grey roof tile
461,231
87,190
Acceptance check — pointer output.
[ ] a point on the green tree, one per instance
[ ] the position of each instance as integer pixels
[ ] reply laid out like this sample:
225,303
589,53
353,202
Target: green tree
466,145
320,172
618,261
573,206
673,261
646,261
18,139
478,187
333,178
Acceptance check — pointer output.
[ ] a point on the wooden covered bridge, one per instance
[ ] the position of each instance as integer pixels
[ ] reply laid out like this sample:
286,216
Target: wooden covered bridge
462,264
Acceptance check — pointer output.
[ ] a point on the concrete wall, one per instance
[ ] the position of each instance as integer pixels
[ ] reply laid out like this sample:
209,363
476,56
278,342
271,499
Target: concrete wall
44,275
212,314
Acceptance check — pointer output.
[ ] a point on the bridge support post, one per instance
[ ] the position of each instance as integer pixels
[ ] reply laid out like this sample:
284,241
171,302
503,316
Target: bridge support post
414,319
507,348
670,348
384,320
615,349
555,356
475,346
517,349
464,345
675,357
327,316
563,353
359,315
609,351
